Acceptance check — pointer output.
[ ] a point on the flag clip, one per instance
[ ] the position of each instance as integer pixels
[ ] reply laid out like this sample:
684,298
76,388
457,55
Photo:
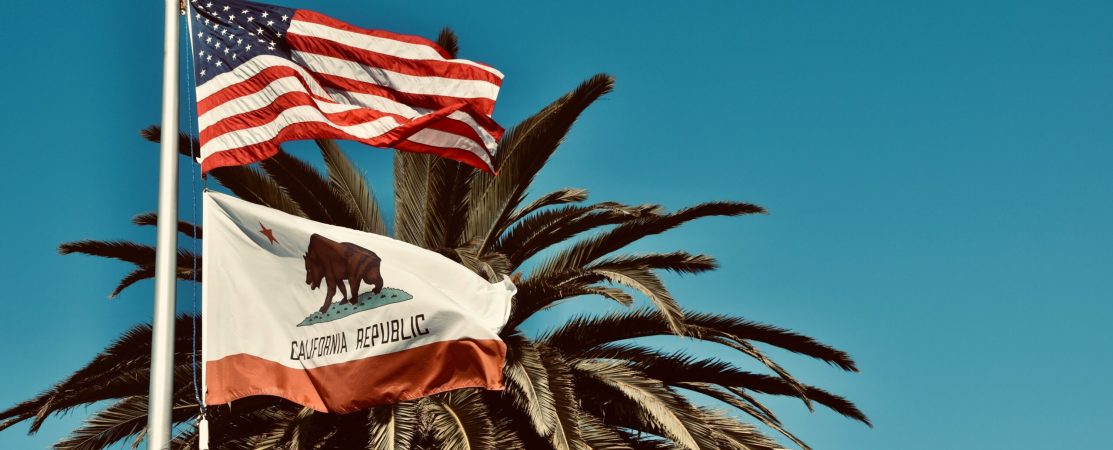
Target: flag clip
203,434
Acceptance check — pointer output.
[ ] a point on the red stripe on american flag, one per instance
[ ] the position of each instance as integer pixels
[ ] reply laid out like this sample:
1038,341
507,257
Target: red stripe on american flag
314,17
246,87
318,130
425,68
473,108
414,100
283,102
463,156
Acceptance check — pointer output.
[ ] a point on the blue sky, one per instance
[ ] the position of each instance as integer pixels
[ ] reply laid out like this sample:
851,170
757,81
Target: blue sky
937,174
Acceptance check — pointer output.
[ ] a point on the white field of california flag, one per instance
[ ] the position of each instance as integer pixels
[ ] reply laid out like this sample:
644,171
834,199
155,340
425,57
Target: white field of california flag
336,319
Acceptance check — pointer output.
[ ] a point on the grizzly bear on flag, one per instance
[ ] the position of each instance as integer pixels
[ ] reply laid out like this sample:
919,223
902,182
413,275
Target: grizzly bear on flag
335,262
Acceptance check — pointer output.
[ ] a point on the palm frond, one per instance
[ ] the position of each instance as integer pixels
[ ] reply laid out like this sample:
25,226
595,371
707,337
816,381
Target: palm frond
557,197
618,295
139,274
306,187
597,435
347,431
143,256
512,426
135,253
352,188
126,418
527,383
746,404
246,182
649,443
634,271
682,368
738,328
151,219
254,423
411,173
391,427
677,262
187,146
545,229
459,421
120,370
652,362
524,150
627,398
447,40
121,385
735,434
567,428
652,287
491,265
752,351
255,186
304,430
584,332
446,204
588,250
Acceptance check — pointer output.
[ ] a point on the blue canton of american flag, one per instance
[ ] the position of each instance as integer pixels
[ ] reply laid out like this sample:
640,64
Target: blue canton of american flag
268,74
227,34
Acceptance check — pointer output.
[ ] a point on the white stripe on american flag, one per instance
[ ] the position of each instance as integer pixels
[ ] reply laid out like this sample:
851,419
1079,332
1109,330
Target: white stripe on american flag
488,140
379,44
264,97
376,44
426,85
392,107
248,70
438,138
289,116
376,102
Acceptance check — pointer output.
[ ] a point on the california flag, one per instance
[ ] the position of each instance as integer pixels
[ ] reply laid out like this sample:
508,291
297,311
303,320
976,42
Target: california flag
336,319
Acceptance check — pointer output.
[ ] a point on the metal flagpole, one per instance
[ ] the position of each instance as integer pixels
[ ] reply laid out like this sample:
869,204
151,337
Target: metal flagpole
166,264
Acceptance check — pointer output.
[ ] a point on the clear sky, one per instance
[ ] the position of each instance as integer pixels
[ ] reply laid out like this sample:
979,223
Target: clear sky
937,172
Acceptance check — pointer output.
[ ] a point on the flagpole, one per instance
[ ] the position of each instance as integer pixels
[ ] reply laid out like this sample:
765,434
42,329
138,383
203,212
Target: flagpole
166,264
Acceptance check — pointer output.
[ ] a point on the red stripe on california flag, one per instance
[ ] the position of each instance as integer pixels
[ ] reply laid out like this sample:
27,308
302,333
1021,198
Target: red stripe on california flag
424,68
383,379
485,106
314,17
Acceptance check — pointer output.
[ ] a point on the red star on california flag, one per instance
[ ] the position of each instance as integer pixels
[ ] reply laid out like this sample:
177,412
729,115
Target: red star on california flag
269,233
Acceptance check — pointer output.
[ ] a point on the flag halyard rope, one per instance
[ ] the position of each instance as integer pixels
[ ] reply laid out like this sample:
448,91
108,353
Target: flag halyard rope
193,175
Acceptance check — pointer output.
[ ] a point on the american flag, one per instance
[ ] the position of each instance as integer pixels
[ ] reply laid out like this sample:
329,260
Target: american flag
268,74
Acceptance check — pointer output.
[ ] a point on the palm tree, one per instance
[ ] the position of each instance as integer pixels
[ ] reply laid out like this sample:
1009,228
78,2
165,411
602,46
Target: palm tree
587,384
